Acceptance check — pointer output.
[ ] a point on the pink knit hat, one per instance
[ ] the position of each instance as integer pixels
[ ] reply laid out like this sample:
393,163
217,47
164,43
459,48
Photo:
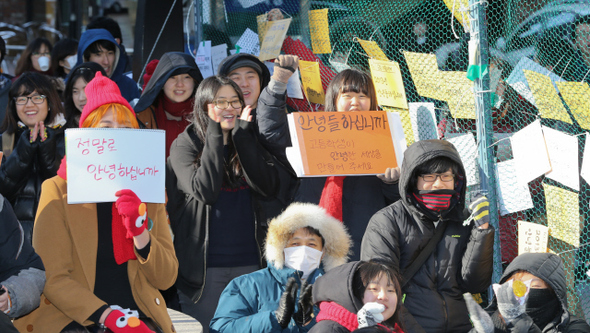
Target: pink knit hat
100,91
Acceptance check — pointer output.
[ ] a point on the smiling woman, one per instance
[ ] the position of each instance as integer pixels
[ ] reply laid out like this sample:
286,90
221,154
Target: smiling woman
32,142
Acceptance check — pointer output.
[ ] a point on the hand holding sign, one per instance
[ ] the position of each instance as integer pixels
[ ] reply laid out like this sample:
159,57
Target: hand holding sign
133,212
391,175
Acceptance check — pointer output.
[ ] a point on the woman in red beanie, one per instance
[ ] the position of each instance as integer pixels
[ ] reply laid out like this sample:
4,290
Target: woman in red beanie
106,258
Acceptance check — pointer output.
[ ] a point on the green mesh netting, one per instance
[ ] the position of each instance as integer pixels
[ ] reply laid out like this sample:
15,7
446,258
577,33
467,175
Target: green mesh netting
539,64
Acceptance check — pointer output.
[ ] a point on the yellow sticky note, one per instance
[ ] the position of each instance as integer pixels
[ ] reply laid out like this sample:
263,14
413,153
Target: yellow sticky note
425,74
312,81
459,8
320,31
404,115
458,91
577,97
372,49
270,48
546,98
262,21
388,83
563,214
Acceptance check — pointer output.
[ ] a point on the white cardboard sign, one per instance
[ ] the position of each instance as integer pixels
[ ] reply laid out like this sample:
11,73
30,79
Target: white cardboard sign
102,161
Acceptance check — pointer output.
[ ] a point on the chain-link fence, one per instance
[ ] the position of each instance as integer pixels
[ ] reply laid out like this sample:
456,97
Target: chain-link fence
539,65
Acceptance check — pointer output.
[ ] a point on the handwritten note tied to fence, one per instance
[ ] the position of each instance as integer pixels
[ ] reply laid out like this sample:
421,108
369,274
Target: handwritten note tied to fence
102,161
345,143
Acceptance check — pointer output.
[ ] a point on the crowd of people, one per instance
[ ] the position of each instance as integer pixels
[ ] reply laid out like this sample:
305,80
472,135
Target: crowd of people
241,244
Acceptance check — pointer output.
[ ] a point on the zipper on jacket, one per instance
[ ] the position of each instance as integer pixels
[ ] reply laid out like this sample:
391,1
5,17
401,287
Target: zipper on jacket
205,253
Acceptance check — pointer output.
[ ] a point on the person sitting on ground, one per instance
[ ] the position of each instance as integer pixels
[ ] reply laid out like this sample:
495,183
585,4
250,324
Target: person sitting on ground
98,45
22,275
356,295
430,215
102,258
545,303
302,243
168,98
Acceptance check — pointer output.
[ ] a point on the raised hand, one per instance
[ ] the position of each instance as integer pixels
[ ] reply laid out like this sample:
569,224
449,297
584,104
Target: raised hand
287,304
370,314
133,212
246,113
285,66
305,303
391,175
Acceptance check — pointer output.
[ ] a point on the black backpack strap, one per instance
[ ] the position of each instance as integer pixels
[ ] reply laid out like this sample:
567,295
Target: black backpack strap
425,253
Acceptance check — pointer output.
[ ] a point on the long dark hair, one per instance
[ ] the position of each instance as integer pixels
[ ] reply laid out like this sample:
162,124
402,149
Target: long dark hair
31,81
62,50
25,63
206,95
350,80
368,271
86,71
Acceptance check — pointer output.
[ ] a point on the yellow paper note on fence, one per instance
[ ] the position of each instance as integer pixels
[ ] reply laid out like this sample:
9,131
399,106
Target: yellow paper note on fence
563,217
459,95
312,81
388,83
262,21
320,31
425,74
270,48
577,96
459,8
372,49
546,98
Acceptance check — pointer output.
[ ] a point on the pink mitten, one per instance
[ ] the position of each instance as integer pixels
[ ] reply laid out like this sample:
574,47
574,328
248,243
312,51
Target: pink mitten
125,321
133,212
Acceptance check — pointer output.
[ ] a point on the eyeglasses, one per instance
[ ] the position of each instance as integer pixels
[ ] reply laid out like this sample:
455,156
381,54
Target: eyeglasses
445,177
22,100
223,104
37,54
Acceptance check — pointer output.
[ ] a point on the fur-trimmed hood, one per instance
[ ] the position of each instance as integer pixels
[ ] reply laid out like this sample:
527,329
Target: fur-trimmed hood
300,215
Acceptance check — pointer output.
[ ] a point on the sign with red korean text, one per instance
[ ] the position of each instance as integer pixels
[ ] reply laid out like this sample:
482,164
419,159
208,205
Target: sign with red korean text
345,143
102,161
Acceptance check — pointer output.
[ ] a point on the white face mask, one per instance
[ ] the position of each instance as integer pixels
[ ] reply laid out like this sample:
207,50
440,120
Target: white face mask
71,61
43,63
302,258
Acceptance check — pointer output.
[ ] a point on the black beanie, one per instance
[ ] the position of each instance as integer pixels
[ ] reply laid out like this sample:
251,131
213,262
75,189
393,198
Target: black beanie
246,63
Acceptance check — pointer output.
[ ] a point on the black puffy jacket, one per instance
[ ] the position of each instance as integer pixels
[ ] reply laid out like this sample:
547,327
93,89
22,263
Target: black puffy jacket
25,169
461,262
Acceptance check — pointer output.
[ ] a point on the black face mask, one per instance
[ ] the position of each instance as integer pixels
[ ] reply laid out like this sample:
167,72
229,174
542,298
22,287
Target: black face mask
542,306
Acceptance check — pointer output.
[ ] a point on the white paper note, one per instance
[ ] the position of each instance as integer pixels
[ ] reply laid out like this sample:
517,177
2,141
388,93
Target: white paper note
563,155
532,237
512,195
218,53
530,152
465,144
423,121
203,59
249,42
585,172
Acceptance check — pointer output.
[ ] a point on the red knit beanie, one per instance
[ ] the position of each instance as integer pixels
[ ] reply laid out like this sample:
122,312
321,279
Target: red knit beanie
149,71
100,91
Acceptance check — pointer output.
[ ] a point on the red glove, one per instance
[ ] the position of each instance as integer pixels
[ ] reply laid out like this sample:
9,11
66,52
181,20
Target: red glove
127,321
133,212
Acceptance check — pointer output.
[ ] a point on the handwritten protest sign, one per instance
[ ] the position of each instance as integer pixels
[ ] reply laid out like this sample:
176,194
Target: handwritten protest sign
261,21
345,143
563,155
103,161
388,83
425,74
320,31
248,43
373,50
563,214
532,237
273,39
312,82
513,196
530,152
577,97
546,98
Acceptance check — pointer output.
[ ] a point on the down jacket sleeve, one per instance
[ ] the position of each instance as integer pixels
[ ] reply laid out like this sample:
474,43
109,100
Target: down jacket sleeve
15,169
203,181
271,118
477,264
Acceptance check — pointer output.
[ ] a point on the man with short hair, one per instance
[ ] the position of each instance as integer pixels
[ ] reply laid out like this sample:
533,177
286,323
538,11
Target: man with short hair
99,46
302,243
